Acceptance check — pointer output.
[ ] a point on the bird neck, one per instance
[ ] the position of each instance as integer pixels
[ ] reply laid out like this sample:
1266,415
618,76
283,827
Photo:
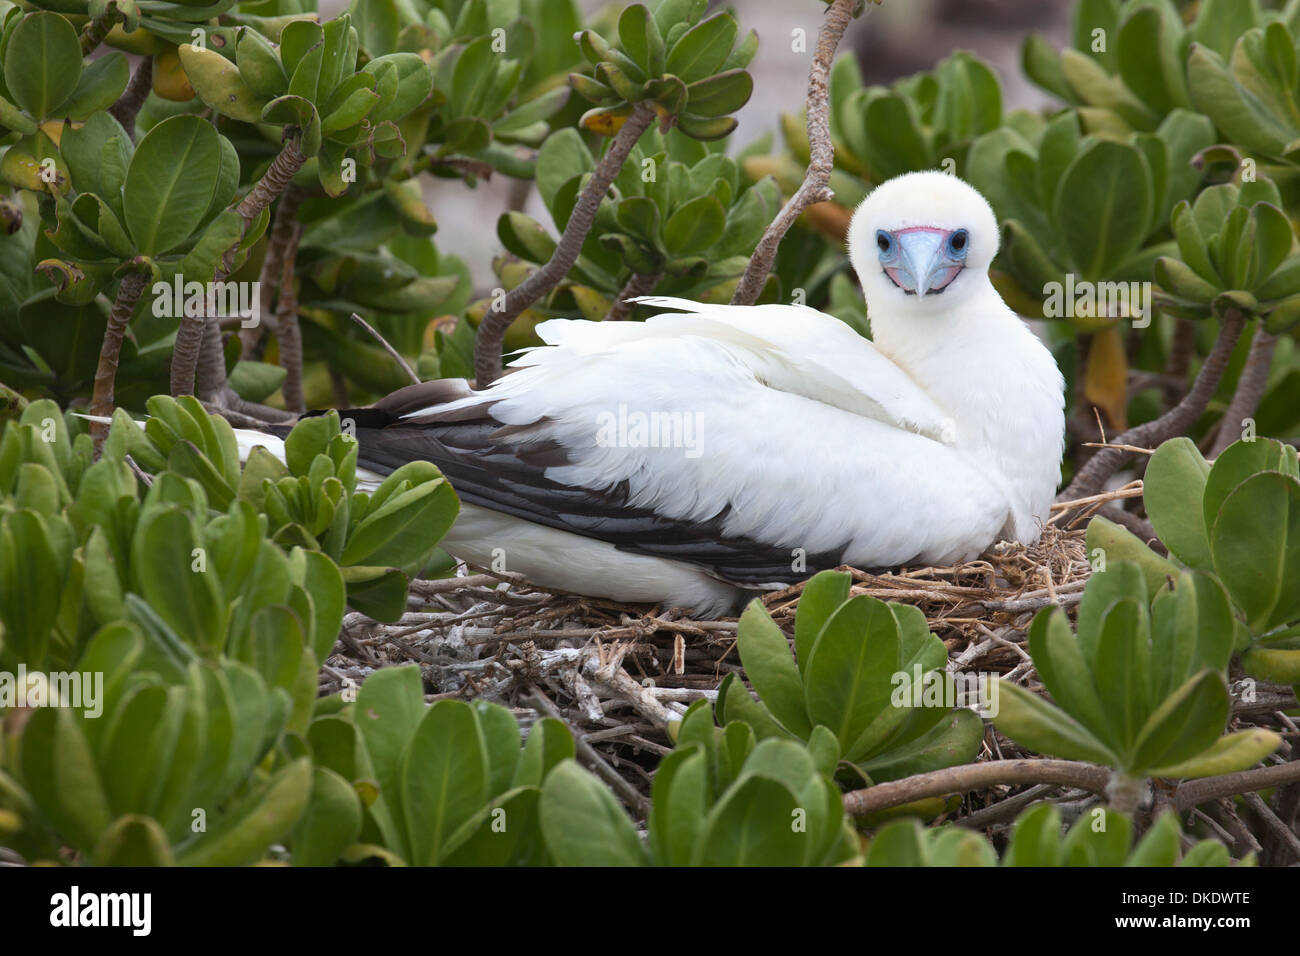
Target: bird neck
1000,385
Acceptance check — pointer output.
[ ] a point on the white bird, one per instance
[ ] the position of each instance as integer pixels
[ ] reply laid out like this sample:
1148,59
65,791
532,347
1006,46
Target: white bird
704,453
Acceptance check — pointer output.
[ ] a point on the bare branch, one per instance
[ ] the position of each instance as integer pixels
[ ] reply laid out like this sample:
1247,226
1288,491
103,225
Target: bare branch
1193,792
287,331
97,28
190,334
1250,389
133,97
492,330
1092,476
977,776
640,284
821,160
129,291
282,231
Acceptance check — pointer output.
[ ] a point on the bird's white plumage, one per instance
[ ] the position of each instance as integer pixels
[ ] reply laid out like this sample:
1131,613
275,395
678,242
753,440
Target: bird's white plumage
924,445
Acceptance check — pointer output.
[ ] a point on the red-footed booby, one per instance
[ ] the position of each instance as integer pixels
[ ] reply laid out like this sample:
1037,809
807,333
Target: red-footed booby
713,450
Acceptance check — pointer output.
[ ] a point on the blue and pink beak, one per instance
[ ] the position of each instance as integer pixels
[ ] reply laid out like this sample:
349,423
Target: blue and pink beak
923,260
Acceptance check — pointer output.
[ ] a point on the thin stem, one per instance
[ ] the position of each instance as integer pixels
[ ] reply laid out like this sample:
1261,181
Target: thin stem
129,291
977,776
1092,476
492,330
821,155
640,284
1250,390
388,347
133,97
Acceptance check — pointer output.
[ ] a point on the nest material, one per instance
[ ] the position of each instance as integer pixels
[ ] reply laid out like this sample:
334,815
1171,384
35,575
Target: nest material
618,675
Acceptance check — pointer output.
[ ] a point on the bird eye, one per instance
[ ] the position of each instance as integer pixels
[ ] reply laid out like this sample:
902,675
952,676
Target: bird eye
958,241
884,240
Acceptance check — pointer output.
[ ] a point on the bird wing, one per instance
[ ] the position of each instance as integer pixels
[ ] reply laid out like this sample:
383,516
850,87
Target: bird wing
752,452
790,347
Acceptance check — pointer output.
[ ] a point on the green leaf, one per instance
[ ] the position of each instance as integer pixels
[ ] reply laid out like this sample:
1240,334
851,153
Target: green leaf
1172,490
1160,845
170,182
42,62
720,94
679,803
770,668
703,48
1034,723
174,579
755,824
1229,754
331,822
1255,542
641,39
1185,724
821,597
696,225
583,824
1064,671
848,678
59,772
1103,206
444,778
1036,838
101,85
243,834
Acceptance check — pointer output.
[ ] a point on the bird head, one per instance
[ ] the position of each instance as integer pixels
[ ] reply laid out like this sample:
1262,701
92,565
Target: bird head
920,240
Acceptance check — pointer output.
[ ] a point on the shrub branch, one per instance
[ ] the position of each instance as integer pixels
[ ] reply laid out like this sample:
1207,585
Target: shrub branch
190,335
133,97
977,776
640,284
815,186
1092,476
129,291
287,331
1250,390
492,330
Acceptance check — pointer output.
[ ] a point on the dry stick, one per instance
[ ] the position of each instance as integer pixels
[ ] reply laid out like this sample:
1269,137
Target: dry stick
1271,820
1174,422
1192,792
189,336
1066,773
137,91
821,155
129,291
1250,389
641,283
492,330
287,330
388,347
631,796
